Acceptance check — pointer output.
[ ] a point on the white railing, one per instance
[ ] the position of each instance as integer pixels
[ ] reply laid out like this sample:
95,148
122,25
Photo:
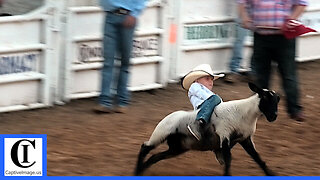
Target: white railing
54,53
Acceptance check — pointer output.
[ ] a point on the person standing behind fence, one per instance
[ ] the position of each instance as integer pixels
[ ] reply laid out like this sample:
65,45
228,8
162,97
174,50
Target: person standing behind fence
269,20
237,54
119,26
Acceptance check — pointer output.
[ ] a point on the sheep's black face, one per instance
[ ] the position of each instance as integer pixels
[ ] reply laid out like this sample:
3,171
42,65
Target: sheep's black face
269,104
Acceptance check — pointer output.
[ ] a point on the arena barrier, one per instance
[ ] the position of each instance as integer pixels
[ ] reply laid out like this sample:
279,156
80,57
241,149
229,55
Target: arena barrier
83,51
54,54
205,33
307,49
26,49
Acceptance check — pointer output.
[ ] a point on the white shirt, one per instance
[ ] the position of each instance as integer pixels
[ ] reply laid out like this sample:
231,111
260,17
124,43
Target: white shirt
198,93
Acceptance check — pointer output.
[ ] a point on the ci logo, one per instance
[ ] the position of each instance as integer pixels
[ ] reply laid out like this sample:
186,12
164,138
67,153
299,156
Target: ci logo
26,146
24,155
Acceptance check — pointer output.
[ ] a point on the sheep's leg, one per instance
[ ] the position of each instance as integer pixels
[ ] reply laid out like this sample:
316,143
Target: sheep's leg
170,153
142,154
226,152
247,145
219,156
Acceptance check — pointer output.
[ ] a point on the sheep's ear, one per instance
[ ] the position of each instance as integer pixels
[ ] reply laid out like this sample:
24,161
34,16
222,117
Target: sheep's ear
254,87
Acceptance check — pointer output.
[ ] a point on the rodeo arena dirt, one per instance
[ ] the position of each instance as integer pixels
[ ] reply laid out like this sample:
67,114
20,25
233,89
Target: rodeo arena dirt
82,143
110,143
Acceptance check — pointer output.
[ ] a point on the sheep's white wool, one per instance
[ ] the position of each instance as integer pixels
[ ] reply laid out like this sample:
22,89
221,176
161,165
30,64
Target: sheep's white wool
233,116
236,116
172,123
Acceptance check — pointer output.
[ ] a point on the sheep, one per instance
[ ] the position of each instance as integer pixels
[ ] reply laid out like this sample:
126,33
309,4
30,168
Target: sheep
232,122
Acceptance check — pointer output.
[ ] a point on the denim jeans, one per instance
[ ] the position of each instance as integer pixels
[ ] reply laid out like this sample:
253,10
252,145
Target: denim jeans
117,38
207,107
268,48
237,48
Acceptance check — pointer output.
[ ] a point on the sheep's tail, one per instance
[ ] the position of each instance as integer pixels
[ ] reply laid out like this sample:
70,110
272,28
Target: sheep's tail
167,126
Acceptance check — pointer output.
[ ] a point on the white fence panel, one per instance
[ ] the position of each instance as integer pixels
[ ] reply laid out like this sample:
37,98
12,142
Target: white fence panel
55,52
83,54
24,62
205,32
307,50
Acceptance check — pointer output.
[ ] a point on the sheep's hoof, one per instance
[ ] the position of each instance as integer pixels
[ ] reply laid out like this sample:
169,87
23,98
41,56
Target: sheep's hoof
270,173
138,171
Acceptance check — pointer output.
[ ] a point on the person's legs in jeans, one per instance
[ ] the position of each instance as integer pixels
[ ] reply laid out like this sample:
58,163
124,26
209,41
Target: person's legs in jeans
237,54
237,49
110,41
285,57
126,42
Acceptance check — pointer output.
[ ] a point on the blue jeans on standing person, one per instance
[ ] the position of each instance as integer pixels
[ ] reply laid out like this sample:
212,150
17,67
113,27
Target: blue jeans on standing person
117,38
238,44
207,107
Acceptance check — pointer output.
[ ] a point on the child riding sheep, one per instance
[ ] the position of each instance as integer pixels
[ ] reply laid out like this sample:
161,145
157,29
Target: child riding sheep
199,83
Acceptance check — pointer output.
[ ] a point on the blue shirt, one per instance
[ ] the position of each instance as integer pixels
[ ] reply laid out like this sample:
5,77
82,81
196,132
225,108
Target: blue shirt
135,6
198,93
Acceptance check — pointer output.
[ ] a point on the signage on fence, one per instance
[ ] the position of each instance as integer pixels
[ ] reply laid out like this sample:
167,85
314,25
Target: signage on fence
19,63
93,51
145,46
89,52
220,32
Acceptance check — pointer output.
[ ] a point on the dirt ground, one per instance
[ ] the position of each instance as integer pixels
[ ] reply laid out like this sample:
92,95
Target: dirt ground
81,143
